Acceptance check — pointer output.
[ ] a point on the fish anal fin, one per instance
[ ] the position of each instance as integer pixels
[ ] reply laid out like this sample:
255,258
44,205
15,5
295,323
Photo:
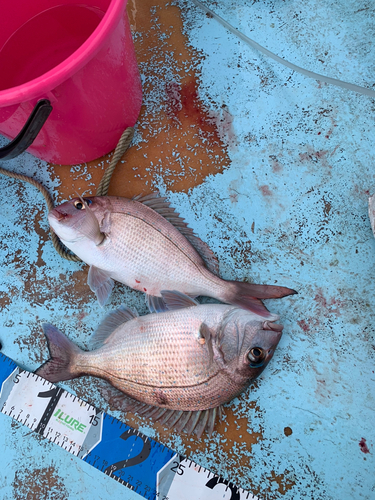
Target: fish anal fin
110,323
100,283
156,304
197,421
202,423
177,300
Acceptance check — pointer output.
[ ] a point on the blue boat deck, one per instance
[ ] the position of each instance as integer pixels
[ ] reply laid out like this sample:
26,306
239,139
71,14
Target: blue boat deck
273,170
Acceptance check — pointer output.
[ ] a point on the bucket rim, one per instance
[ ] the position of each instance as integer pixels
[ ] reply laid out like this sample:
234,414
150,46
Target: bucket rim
40,87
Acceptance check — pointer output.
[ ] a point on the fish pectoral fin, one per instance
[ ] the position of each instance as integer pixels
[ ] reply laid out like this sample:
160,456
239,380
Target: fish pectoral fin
205,335
177,300
110,323
100,283
106,223
156,304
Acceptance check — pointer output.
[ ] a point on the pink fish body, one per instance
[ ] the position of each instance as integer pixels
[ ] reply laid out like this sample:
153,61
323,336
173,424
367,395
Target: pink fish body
190,359
144,244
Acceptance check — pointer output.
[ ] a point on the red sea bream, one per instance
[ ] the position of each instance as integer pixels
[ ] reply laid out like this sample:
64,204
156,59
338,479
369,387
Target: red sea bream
178,366
144,244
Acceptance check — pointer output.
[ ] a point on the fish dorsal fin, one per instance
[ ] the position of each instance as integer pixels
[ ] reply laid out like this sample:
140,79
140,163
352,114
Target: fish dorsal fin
163,208
176,300
109,325
205,252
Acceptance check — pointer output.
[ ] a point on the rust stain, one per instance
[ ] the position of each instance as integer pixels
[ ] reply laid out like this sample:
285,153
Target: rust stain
235,430
231,430
35,484
311,155
327,207
276,166
30,341
283,482
288,431
183,141
6,300
304,325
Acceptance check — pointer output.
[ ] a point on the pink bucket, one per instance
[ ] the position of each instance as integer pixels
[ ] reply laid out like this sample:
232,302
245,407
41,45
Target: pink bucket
69,80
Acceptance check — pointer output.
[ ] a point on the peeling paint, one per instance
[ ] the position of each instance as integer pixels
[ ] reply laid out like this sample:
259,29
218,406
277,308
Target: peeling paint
273,171
44,483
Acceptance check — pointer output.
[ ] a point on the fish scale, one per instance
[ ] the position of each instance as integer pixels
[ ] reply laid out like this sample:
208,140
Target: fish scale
166,354
155,256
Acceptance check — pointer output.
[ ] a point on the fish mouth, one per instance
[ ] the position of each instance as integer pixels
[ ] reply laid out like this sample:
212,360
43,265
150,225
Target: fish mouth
59,215
274,327
273,335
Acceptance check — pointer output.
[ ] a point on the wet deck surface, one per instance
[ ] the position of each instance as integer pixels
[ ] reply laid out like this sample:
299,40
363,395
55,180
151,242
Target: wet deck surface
273,171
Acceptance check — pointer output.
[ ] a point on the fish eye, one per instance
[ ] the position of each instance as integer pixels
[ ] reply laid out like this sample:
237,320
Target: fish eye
79,205
256,357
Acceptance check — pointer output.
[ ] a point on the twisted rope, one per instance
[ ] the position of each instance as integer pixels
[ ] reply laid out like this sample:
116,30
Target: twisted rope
102,190
121,147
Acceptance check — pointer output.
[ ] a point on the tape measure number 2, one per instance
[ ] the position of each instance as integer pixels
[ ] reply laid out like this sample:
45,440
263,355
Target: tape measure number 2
119,451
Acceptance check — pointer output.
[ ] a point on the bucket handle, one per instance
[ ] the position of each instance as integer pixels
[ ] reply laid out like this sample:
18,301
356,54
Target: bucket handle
29,132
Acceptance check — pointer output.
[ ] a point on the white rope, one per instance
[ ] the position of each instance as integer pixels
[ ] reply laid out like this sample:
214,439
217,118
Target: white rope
294,67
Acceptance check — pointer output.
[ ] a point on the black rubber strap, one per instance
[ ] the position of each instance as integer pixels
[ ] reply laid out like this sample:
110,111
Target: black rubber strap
29,132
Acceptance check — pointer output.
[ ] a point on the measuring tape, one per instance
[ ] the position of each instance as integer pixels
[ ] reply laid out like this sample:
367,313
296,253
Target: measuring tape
128,456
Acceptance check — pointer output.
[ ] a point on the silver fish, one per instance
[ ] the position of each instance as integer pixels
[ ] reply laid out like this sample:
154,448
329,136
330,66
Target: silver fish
178,366
144,244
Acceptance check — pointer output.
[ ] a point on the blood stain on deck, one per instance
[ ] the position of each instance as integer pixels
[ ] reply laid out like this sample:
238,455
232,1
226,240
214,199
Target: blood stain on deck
363,446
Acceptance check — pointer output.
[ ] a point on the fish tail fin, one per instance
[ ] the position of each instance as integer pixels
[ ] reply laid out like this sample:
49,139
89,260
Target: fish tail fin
249,296
61,366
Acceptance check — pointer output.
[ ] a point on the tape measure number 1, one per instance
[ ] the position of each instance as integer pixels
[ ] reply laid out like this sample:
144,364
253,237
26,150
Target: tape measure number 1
128,456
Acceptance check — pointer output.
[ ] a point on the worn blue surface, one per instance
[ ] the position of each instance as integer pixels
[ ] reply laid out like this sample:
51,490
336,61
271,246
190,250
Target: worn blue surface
290,208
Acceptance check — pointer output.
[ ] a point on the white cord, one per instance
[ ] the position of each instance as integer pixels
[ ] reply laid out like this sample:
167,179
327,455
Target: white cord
305,72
